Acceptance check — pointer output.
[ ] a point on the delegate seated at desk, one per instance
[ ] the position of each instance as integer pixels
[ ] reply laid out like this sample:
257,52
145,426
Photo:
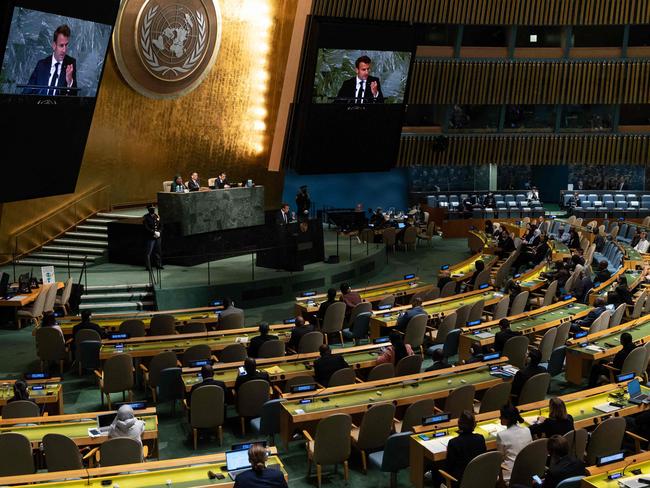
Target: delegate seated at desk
178,186
221,182
194,184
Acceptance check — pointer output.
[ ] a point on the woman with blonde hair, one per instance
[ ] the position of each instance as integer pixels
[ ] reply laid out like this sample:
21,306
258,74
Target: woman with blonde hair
259,476
559,422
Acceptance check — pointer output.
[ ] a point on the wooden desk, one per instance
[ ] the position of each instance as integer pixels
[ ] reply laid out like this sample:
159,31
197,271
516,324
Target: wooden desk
479,241
518,229
598,477
532,280
434,308
580,405
46,392
527,323
281,369
401,290
22,299
189,471
150,346
464,270
75,426
633,278
403,390
632,257
602,345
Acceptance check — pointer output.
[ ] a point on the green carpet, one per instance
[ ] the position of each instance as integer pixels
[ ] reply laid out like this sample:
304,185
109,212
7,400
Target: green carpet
82,395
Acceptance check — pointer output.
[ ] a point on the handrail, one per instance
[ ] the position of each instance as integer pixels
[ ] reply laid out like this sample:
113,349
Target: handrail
60,221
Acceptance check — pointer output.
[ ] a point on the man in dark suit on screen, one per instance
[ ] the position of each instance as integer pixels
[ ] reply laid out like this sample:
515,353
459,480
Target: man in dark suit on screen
362,88
58,70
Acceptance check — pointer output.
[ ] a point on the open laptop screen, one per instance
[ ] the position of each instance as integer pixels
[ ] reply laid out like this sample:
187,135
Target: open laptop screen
105,419
237,460
634,388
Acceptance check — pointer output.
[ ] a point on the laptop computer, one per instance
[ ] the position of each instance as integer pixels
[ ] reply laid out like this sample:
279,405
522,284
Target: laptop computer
104,421
634,390
237,462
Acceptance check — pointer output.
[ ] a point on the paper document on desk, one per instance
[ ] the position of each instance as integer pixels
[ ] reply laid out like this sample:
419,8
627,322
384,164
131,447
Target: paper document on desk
530,420
492,428
241,340
594,348
17,298
606,408
485,335
438,444
274,370
632,482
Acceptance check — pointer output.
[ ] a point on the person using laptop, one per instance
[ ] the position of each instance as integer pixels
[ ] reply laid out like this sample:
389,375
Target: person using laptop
259,476
126,425
599,372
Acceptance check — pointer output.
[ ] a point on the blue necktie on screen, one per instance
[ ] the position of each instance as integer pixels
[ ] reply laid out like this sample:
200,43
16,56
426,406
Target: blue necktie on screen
55,77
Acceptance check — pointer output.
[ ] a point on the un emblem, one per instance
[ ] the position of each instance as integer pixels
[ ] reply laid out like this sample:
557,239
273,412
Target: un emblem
164,49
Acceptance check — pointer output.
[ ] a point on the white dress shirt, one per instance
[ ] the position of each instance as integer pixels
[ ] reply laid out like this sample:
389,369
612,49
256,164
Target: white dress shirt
509,443
642,245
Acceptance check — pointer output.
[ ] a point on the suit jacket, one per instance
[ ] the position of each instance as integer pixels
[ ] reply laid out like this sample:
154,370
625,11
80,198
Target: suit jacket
256,343
591,316
348,91
267,478
298,333
403,320
502,337
41,76
279,218
564,468
220,184
89,325
151,224
258,375
326,366
551,427
524,375
194,185
461,450
230,311
208,382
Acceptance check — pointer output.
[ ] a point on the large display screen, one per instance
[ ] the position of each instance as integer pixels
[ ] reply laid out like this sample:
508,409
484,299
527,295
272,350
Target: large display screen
53,55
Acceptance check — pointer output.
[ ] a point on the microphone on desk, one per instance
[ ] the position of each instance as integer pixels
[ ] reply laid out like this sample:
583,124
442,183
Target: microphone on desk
212,475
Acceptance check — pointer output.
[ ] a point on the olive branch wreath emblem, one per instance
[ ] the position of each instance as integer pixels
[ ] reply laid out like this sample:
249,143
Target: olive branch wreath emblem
150,55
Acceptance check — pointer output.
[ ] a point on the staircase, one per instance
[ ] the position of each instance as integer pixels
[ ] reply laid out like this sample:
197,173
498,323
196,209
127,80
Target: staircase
88,240
109,299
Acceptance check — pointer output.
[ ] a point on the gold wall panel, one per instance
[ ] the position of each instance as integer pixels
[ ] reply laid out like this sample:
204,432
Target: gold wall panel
529,82
504,12
136,143
526,149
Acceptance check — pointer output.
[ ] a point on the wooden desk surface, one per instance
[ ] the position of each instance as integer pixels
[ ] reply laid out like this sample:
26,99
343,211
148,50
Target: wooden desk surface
633,278
189,471
22,299
599,476
48,392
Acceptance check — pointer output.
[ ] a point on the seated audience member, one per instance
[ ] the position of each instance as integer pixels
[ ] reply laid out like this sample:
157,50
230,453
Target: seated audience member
513,288
620,294
331,298
21,392
602,273
221,182
464,447
643,244
574,239
532,195
531,369
229,309
478,267
599,369
443,278
585,322
396,351
562,465
178,186
574,200
126,425
503,335
559,422
505,244
377,220
300,329
439,361
489,201
489,228
349,297
259,476
327,364
636,238
405,317
511,440
475,354
577,258
583,286
562,274
207,378
194,184
49,320
250,373
256,342
563,236
87,324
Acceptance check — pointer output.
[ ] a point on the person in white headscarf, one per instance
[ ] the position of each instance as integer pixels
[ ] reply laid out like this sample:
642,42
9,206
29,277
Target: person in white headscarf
126,425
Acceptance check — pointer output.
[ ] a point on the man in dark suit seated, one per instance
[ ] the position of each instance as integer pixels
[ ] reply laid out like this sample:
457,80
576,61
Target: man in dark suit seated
298,332
87,324
194,184
562,465
531,369
501,337
58,70
282,217
221,182
598,370
404,318
439,361
229,309
250,373
207,375
362,88
599,308
256,342
327,364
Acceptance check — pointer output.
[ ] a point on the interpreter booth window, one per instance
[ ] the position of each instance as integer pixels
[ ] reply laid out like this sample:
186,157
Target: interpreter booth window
485,35
592,118
424,115
448,178
639,35
514,177
635,115
474,118
597,36
436,35
529,117
538,36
